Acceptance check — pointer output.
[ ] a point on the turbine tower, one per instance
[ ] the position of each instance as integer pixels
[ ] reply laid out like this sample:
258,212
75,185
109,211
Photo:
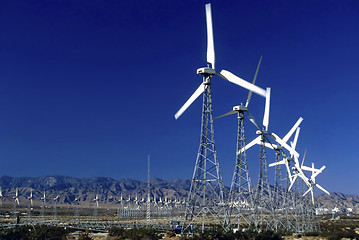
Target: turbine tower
55,206
30,203
43,205
240,197
207,189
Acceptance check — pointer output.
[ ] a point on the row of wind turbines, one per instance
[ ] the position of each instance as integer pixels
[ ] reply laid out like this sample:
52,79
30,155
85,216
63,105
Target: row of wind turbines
266,138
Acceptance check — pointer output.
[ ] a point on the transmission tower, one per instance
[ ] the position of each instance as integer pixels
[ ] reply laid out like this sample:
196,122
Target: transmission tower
205,201
148,210
240,199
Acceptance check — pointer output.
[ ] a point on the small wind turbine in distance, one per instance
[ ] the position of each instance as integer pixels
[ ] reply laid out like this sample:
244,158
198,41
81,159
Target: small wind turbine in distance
30,199
55,207
96,200
1,197
16,197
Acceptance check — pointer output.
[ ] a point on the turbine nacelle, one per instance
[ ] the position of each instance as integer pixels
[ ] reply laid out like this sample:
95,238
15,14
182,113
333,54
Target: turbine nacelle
240,108
206,71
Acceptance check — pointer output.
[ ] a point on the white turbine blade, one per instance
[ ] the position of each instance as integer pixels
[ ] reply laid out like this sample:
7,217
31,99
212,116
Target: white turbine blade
271,146
251,118
31,202
307,191
266,111
253,82
289,134
277,163
240,82
210,42
249,145
17,192
194,96
17,200
317,172
292,182
304,178
226,114
321,188
306,168
305,154
294,144
285,145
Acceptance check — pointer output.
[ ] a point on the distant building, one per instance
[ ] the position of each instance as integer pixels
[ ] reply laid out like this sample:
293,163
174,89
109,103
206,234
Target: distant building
321,211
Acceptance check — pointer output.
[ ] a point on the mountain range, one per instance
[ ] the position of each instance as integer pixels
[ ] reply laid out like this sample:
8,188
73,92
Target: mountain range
110,191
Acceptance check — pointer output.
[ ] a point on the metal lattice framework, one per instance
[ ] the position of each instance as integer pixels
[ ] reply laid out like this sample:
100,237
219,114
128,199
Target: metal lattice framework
240,200
205,204
263,202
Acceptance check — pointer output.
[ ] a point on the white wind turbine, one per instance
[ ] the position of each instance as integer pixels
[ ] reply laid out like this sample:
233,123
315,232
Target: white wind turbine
96,200
283,143
16,197
43,198
55,205
209,71
315,173
30,199
1,196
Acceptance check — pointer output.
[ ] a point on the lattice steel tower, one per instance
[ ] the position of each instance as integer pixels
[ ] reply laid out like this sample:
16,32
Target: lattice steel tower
205,203
240,199
264,212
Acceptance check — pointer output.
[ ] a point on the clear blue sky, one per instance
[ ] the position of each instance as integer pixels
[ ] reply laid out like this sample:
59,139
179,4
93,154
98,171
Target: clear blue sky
89,88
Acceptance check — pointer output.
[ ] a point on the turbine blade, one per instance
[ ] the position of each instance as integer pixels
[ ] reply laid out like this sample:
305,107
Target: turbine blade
253,82
285,145
294,144
249,145
266,111
251,118
319,171
31,202
292,182
226,114
277,163
307,191
321,188
194,96
306,168
210,42
291,131
305,154
240,82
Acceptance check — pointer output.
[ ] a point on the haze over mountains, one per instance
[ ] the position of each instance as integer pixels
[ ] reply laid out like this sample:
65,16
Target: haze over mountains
110,191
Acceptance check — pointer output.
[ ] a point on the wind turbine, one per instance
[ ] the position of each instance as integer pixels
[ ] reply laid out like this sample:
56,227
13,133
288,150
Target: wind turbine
241,184
206,175
96,199
55,205
16,197
43,198
315,173
283,143
30,199
1,197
